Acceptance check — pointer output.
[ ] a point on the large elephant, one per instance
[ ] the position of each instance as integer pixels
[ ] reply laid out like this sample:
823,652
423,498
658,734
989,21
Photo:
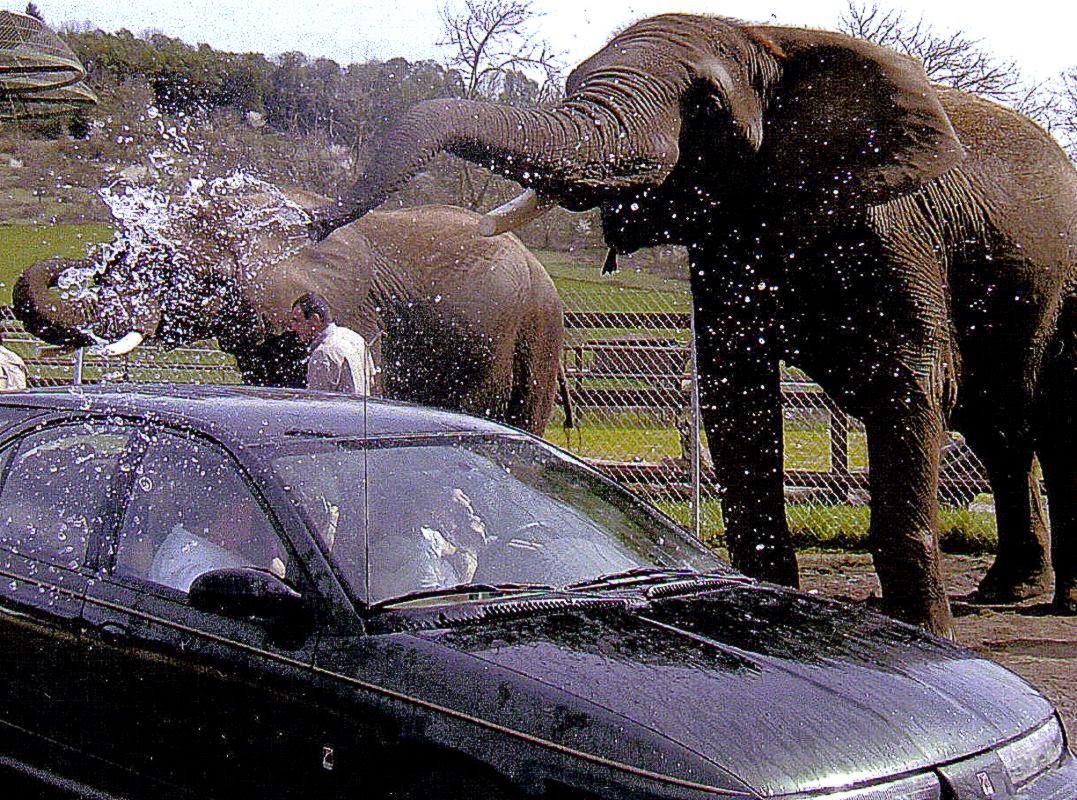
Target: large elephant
456,319
911,247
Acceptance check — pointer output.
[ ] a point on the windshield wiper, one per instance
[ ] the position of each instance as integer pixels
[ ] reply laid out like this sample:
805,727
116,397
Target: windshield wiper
464,590
634,576
649,576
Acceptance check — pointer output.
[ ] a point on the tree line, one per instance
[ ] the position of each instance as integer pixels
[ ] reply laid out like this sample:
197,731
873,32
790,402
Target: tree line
295,94
493,53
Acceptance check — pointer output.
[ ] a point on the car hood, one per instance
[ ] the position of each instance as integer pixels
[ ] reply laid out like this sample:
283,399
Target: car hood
783,691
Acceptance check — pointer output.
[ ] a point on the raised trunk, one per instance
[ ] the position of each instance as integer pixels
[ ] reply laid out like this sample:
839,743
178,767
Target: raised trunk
44,312
577,152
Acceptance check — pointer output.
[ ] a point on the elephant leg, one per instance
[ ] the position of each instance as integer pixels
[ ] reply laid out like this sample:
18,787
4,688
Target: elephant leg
743,421
903,450
1022,566
1060,474
1057,450
277,361
536,361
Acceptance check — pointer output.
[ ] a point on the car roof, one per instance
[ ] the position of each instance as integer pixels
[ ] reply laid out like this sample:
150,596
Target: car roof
255,415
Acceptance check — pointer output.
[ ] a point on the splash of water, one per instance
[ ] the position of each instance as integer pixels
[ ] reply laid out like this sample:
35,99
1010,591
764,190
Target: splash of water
238,219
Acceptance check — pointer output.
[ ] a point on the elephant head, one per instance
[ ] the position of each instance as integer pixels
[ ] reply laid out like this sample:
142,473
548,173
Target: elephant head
454,318
220,262
682,119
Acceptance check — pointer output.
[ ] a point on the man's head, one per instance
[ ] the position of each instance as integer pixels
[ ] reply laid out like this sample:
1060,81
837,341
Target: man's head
464,526
310,316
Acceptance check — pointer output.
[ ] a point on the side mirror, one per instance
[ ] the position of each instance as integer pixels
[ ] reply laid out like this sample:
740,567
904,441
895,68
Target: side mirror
249,592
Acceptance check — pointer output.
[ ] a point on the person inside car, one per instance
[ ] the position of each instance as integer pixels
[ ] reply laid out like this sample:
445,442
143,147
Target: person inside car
436,545
222,536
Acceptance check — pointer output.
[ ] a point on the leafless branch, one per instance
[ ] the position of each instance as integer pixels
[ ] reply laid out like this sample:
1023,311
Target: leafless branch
490,39
953,58
957,60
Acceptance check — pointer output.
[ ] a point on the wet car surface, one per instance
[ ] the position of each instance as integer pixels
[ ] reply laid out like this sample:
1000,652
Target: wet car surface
215,592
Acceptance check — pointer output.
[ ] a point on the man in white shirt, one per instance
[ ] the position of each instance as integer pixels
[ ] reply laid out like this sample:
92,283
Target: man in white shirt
12,370
340,360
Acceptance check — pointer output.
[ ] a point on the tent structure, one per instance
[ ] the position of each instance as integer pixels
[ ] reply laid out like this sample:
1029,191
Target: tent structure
39,75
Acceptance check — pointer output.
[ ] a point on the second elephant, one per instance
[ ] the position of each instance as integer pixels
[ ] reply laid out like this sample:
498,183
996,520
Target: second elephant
455,319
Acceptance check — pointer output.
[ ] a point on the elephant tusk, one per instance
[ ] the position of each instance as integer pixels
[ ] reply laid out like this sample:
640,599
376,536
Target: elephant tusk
517,212
120,347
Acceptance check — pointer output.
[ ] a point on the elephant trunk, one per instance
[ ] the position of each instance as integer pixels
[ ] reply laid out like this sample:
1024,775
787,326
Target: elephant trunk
570,151
79,315
45,313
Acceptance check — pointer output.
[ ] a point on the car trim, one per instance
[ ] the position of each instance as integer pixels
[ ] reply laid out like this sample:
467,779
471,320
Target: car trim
76,594
69,786
426,704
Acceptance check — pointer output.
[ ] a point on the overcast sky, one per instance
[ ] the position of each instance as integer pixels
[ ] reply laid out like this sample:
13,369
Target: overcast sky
1039,39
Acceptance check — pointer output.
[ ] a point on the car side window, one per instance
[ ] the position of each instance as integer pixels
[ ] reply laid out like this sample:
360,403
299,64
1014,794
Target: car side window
56,486
190,512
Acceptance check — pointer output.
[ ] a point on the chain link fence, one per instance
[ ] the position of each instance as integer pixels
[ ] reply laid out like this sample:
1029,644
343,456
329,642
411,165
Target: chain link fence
627,360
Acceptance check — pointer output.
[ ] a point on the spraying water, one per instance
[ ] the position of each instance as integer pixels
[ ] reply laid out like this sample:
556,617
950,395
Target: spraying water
236,221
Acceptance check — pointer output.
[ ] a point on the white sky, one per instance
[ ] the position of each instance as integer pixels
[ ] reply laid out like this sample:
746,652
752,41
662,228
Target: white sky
1039,39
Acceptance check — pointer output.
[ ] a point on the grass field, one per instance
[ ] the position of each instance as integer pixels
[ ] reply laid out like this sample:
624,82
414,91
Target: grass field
624,436
845,527
583,287
22,245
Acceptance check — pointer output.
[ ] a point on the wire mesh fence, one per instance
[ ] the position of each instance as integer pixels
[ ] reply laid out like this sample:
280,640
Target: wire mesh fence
630,382
627,358
55,366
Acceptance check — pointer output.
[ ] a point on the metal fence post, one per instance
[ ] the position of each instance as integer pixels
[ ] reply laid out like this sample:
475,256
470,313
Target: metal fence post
839,453
76,377
697,504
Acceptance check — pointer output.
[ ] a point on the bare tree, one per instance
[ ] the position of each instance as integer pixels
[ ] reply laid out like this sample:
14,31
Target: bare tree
956,60
490,40
1063,94
952,58
500,56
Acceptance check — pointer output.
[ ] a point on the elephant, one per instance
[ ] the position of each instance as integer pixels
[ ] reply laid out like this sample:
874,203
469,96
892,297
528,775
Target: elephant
910,246
454,319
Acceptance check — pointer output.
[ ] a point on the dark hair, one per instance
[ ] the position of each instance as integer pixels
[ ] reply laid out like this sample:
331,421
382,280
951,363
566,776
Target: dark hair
312,303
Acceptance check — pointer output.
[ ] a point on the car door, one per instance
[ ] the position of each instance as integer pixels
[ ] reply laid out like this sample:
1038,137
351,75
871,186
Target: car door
199,700
57,494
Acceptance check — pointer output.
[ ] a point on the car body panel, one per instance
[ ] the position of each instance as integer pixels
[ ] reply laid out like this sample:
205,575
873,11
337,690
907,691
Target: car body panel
829,695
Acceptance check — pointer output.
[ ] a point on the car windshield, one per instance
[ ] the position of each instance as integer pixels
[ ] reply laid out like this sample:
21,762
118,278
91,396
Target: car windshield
450,511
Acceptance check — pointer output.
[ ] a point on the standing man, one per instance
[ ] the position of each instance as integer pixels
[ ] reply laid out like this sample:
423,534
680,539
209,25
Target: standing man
12,370
340,360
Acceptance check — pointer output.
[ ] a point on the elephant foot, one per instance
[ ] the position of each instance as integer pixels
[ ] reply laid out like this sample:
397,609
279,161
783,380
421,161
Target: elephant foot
940,622
1001,586
1065,602
933,617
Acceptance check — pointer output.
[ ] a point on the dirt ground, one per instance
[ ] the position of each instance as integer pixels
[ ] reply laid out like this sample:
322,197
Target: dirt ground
1039,646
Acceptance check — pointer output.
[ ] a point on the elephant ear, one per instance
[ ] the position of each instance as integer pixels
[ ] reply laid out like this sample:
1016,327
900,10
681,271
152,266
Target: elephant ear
853,120
338,268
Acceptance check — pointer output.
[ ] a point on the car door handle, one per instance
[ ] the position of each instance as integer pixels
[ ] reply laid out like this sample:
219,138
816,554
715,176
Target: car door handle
113,632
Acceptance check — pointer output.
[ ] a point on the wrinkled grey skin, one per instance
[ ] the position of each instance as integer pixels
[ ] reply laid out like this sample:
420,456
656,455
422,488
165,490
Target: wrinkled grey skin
457,320
911,247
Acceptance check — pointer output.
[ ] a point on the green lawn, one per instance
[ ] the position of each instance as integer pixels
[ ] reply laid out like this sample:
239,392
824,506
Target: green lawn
845,527
583,287
22,245
627,435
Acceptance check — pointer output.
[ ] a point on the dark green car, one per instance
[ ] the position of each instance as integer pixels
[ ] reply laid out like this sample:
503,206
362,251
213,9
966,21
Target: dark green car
239,593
